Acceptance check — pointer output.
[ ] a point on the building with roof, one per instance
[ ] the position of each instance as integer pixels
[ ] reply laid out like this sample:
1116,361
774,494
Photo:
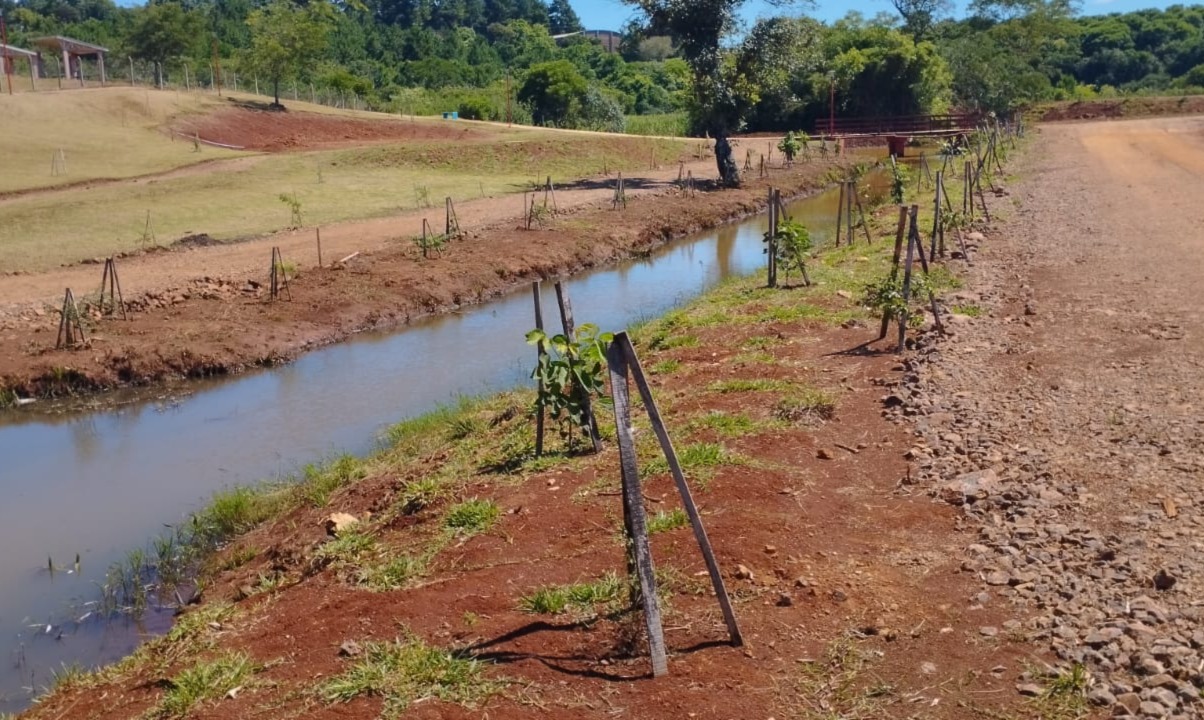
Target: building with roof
73,53
11,54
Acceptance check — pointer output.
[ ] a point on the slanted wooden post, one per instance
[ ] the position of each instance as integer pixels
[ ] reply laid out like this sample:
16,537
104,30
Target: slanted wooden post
570,329
936,213
840,213
850,189
635,519
894,264
620,194
318,230
110,284
452,227
679,479
771,238
541,351
550,189
279,277
912,234
865,226
71,329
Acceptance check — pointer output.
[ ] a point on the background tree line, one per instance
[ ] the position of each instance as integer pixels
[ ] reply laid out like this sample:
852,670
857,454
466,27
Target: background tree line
488,58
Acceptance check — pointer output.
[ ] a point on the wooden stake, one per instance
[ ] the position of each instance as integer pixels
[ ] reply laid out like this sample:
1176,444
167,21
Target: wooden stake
540,352
110,283
318,230
840,212
687,500
566,322
69,324
865,226
452,220
936,212
911,244
279,277
771,279
894,264
635,519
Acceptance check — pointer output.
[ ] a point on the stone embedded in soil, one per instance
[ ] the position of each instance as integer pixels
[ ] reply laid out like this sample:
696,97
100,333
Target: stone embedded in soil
784,600
338,523
824,454
1029,689
1164,580
743,572
350,648
969,487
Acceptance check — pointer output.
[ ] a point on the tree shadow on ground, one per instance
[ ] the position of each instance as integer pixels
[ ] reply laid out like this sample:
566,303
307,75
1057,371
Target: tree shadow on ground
560,663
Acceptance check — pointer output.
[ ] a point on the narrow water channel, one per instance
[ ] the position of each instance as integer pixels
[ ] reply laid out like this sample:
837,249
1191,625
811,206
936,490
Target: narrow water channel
98,484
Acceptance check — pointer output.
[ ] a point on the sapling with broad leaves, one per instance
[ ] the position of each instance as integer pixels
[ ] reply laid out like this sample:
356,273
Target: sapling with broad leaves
790,147
886,297
572,371
792,244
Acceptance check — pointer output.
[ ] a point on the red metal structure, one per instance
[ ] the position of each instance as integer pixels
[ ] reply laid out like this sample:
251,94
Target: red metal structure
899,125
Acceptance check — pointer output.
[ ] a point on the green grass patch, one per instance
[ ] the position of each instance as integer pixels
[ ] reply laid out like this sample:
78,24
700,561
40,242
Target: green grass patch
320,481
406,671
665,367
392,574
584,596
695,457
731,425
804,405
663,125
349,548
471,516
664,521
206,680
967,310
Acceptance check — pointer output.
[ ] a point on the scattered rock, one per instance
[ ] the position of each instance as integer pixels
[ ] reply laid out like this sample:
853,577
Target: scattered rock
743,572
969,487
784,600
823,454
1164,580
338,523
1030,689
350,648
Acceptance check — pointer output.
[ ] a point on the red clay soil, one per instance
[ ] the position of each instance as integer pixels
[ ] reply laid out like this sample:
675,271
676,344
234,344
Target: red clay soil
1122,108
254,126
855,605
216,326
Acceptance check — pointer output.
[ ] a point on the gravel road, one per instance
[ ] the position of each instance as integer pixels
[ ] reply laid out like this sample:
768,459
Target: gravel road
1078,397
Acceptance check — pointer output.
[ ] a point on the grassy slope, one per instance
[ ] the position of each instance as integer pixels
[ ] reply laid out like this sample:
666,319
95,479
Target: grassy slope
104,133
42,231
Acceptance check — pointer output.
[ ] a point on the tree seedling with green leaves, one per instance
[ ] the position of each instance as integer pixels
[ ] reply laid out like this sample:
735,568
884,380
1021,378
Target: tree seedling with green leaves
791,244
790,147
570,373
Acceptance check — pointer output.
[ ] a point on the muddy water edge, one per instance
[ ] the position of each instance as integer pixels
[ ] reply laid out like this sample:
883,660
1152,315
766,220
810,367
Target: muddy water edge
93,485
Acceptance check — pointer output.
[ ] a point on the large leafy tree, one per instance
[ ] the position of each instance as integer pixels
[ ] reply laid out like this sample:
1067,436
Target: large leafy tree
562,18
285,38
920,15
554,91
698,29
161,32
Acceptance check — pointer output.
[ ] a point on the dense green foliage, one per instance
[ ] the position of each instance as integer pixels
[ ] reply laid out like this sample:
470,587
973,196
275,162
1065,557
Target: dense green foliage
498,59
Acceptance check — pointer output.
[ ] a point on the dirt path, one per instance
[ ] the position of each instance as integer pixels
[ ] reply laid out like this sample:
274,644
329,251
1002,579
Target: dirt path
159,272
1082,389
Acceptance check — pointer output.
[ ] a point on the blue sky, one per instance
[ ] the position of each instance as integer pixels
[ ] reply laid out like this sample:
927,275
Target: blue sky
611,14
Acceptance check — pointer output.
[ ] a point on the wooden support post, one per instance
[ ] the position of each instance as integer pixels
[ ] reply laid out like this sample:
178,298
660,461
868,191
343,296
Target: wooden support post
840,212
570,329
894,264
71,330
771,279
541,351
318,231
279,277
452,226
687,500
912,235
936,213
848,210
550,189
865,226
635,519
110,284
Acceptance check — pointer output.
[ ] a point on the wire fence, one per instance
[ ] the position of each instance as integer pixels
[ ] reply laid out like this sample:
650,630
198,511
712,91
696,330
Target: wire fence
187,77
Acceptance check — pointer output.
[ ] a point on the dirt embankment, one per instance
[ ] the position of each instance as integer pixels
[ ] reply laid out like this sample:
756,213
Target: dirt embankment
844,579
1116,108
221,325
